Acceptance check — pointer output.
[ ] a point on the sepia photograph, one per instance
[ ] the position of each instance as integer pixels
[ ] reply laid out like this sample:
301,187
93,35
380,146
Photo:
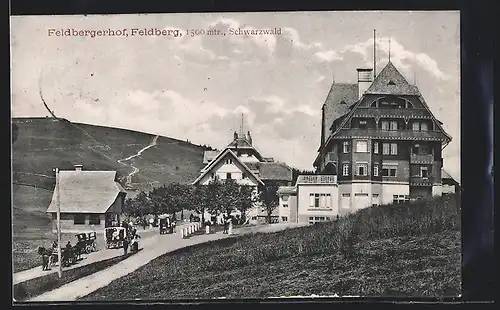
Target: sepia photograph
201,156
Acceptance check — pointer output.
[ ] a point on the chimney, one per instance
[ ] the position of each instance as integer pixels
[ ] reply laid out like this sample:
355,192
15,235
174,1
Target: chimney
78,167
249,138
364,80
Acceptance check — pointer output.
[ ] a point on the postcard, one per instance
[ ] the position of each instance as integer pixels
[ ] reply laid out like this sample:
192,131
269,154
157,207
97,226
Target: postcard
201,156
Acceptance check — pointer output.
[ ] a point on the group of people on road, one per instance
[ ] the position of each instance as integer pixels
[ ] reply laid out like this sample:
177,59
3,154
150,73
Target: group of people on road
131,238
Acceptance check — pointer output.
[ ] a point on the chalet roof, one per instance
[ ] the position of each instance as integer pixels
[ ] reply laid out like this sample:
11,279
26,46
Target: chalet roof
287,190
240,143
340,97
208,156
446,175
85,191
218,158
391,82
275,171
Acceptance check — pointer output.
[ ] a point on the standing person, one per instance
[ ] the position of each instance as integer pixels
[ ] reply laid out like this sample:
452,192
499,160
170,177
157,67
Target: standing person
125,244
226,225
143,221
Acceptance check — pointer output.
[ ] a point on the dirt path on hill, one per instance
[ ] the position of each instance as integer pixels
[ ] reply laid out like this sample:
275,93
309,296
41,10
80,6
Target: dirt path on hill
153,248
134,168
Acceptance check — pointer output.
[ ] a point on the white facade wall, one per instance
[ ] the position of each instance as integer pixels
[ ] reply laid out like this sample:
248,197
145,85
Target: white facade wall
437,190
391,189
306,206
448,189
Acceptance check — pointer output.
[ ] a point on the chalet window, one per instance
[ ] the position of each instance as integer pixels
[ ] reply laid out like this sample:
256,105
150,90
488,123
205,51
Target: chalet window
285,205
394,149
415,126
394,125
316,200
228,175
385,125
95,219
375,147
284,218
229,161
389,172
375,170
362,146
345,169
400,199
345,147
79,219
386,148
362,169
392,172
423,172
423,126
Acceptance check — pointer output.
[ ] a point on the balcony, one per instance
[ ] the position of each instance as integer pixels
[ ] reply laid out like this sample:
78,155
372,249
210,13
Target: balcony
390,134
317,179
427,159
392,113
420,181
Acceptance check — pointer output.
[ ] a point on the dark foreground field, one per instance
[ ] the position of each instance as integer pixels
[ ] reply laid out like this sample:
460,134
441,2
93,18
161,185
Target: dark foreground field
411,250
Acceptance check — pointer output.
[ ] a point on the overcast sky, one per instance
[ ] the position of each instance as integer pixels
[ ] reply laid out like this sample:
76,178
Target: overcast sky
197,87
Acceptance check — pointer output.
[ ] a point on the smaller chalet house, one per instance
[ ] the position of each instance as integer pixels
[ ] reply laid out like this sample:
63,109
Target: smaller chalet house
241,161
450,185
89,200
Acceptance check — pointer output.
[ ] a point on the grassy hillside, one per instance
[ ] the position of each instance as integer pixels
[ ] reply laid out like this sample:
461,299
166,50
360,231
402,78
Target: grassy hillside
45,143
41,144
408,250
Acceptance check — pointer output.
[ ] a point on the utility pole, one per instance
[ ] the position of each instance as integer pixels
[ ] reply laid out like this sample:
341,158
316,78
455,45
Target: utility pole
374,56
58,199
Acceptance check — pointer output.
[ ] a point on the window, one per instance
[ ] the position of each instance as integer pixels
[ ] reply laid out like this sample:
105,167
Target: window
316,200
391,82
361,146
320,200
362,124
345,169
345,148
394,149
423,172
79,219
400,199
95,219
394,125
244,175
212,175
362,169
285,205
284,218
375,200
415,126
228,175
385,148
385,125
229,161
392,172
423,126
375,170
375,147
389,172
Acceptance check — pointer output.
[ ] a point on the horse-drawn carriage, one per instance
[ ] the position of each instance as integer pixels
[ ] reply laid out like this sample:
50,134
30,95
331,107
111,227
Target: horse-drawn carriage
167,226
86,242
115,237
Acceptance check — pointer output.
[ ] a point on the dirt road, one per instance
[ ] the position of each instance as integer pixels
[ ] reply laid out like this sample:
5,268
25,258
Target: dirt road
152,248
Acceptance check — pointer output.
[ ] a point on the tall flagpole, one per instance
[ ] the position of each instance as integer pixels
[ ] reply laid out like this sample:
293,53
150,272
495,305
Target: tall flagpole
58,198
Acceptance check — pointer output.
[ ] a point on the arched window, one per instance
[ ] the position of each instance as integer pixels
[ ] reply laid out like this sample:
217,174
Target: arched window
391,102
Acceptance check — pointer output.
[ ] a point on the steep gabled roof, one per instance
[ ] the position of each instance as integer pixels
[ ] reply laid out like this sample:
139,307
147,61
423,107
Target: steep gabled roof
208,156
85,192
240,143
275,171
337,103
219,157
391,82
389,73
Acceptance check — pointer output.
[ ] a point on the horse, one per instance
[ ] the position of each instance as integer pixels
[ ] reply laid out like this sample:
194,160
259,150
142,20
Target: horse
45,253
